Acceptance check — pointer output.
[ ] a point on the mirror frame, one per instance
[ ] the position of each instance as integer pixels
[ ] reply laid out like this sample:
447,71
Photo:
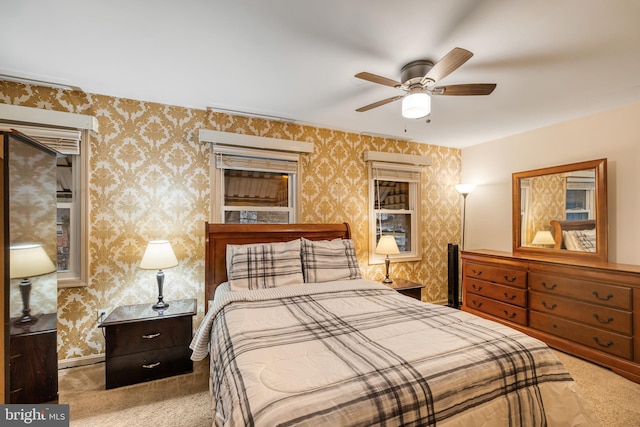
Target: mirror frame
601,254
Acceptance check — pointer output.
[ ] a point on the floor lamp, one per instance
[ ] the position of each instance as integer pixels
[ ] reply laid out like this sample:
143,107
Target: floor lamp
464,189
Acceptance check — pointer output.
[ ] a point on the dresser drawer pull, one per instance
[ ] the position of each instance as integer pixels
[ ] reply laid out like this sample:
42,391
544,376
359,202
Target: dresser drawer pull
18,390
476,287
151,366
607,298
15,356
510,280
609,320
509,316
608,344
509,297
552,287
476,303
151,336
549,307
476,272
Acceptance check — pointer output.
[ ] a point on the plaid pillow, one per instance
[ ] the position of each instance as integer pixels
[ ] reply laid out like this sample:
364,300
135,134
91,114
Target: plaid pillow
327,260
264,265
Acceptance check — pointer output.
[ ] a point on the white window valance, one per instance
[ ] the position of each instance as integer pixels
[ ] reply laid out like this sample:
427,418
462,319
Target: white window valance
250,141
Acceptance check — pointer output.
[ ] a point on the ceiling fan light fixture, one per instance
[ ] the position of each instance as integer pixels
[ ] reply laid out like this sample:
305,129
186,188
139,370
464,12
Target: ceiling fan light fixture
416,105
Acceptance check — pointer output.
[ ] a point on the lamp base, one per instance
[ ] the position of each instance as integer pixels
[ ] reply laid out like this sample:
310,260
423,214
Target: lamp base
25,320
387,281
160,305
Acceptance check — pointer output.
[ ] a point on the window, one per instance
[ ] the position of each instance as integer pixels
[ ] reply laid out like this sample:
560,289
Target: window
580,201
394,208
254,186
72,196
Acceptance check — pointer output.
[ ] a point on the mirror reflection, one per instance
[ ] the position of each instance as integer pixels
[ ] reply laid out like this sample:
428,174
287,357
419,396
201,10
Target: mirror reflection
561,211
558,211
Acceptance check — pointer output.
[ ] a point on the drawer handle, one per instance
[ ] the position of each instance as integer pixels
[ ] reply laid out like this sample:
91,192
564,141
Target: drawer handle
476,303
510,280
151,336
544,285
606,322
15,356
506,295
476,272
609,343
477,288
18,390
551,307
151,366
510,316
607,298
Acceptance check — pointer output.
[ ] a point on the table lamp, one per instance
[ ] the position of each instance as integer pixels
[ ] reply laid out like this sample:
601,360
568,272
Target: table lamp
543,238
158,255
387,246
25,261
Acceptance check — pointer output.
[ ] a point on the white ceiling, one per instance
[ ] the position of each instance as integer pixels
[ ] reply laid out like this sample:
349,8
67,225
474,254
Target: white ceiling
296,59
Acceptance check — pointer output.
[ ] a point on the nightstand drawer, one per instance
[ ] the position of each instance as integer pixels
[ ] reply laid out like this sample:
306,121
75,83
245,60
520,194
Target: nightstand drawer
147,366
148,335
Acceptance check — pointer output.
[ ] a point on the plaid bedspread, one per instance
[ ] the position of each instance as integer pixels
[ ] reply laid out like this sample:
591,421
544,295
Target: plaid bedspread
357,353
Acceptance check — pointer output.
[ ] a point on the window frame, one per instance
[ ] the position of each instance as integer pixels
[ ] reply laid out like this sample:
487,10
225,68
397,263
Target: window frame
404,173
218,208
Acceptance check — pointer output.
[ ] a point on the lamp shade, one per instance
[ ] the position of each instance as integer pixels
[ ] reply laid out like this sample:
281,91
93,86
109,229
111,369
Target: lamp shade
543,238
29,260
158,255
387,245
465,189
416,105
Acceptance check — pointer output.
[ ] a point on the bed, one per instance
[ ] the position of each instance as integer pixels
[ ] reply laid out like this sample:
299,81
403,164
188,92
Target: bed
350,351
575,235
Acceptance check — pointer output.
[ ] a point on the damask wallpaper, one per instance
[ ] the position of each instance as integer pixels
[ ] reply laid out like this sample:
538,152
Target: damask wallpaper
149,179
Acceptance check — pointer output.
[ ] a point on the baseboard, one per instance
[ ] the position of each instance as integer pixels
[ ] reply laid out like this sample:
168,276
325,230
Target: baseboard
440,302
80,361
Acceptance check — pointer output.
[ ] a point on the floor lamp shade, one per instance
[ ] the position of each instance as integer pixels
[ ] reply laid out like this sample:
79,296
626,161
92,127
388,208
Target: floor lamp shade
387,246
27,261
159,255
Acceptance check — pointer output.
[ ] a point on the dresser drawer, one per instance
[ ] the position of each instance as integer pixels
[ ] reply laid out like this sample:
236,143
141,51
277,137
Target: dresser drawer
609,342
501,275
508,294
141,336
147,366
592,314
499,309
593,292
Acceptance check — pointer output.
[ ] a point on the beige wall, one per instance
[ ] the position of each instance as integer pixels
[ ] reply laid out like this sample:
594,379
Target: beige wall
149,178
613,134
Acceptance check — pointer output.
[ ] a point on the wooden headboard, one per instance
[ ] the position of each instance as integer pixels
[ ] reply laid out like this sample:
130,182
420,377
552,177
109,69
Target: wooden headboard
218,236
559,226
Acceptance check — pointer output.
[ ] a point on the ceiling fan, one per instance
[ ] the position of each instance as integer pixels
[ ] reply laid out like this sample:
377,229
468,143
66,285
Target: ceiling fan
418,78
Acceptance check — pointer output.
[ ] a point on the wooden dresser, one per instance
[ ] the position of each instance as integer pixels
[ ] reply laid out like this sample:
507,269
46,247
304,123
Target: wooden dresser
144,344
588,310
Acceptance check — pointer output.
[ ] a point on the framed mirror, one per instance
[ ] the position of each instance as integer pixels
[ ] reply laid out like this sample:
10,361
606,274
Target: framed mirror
561,211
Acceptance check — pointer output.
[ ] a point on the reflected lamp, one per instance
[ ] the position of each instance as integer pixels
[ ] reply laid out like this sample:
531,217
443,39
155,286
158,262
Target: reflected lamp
543,238
387,246
28,260
159,255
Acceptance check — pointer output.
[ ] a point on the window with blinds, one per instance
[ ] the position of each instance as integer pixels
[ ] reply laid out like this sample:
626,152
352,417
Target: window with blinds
394,208
254,186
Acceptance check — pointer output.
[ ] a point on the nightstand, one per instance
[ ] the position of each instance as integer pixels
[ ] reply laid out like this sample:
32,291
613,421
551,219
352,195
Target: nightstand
33,361
407,287
144,344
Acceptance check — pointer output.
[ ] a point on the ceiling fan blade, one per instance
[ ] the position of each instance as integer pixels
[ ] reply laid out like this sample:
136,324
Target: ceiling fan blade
465,89
378,79
379,103
451,62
